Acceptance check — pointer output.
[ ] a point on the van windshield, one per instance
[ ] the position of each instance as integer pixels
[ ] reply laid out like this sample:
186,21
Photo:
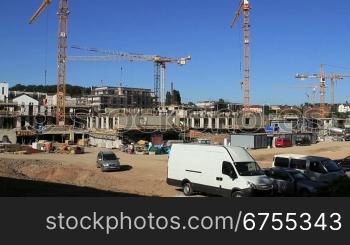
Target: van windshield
248,169
330,165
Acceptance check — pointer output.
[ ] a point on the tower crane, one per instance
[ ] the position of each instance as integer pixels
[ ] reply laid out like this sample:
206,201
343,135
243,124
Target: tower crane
333,77
159,65
244,7
63,14
322,78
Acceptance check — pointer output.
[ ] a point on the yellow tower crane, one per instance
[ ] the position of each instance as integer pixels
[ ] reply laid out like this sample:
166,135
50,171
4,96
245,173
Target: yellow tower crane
63,14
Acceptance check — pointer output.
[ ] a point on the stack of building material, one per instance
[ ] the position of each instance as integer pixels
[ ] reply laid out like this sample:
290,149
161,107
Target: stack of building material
83,142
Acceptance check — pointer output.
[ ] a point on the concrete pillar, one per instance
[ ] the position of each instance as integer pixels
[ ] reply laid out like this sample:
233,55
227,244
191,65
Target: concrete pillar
107,122
226,123
91,122
18,122
114,126
71,136
192,122
210,123
97,122
217,123
102,122
201,122
87,122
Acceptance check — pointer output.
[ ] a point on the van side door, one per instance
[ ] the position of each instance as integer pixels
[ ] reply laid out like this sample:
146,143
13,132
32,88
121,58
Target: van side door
228,179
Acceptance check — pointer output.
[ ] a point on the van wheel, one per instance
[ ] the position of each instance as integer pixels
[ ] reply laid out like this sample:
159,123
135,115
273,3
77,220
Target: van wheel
187,189
236,194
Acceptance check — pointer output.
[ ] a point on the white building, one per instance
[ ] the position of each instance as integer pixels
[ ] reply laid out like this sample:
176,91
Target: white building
343,108
51,100
4,91
28,104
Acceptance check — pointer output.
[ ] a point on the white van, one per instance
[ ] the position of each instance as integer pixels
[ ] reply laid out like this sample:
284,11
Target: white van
219,170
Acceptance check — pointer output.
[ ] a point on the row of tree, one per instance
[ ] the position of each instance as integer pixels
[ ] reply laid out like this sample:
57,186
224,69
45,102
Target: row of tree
72,90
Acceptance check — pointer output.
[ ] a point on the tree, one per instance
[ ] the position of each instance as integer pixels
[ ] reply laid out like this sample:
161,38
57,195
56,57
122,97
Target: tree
168,98
177,98
174,98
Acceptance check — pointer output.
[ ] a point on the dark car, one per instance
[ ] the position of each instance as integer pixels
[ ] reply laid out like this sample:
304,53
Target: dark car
289,182
302,141
344,163
107,161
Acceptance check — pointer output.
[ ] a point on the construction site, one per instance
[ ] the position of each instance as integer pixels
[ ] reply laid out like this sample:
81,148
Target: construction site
55,137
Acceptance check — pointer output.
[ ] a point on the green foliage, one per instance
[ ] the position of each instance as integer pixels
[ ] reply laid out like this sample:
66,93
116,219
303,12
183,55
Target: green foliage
173,99
73,91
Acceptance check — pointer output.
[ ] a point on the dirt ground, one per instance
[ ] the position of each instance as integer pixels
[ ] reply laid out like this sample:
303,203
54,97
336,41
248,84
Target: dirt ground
140,174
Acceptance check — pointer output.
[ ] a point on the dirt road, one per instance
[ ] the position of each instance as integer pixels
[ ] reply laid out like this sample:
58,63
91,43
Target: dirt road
141,174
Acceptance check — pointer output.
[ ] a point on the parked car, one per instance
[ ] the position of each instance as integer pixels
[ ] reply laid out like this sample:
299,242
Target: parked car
290,182
344,163
302,141
107,161
218,170
283,142
315,167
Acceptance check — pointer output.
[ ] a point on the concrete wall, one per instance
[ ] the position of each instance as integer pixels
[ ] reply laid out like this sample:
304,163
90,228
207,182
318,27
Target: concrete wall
11,133
105,143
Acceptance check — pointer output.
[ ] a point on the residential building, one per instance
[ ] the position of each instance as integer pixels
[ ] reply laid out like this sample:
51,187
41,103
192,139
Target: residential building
121,97
4,92
343,108
28,104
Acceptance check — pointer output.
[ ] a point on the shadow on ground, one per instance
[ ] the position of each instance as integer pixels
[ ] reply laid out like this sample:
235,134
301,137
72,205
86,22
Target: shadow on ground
10,187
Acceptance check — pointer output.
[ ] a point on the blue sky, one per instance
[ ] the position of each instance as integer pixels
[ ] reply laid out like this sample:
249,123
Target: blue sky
287,37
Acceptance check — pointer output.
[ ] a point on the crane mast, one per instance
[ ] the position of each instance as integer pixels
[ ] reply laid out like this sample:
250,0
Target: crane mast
246,31
322,88
245,8
62,57
63,13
